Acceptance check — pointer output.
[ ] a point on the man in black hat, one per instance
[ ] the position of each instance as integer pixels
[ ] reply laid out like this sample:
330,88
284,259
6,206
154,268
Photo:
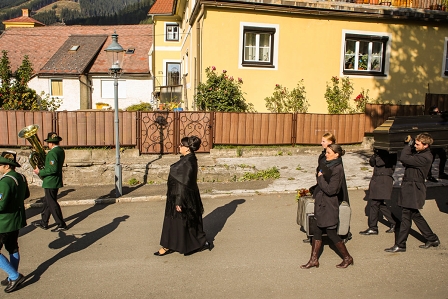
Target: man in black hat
13,192
434,110
52,181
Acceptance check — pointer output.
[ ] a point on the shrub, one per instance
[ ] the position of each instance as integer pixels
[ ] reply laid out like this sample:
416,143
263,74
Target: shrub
140,107
282,100
221,92
361,100
338,96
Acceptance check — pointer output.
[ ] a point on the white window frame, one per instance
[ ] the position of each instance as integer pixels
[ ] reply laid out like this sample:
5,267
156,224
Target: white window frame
107,89
51,87
173,37
273,64
445,59
370,37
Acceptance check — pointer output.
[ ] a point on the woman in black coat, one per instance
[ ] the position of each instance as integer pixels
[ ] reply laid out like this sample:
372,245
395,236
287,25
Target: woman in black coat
326,206
182,229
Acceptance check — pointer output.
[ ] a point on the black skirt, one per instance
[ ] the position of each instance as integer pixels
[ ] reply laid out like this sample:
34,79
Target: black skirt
179,236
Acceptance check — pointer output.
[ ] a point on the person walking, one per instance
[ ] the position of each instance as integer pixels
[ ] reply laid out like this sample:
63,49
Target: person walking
327,139
13,192
52,181
182,229
331,183
380,189
438,151
413,192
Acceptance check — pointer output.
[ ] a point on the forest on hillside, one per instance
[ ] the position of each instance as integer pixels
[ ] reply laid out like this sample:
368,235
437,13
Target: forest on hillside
92,12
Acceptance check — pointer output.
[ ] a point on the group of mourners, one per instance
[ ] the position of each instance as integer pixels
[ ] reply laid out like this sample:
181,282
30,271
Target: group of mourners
182,229
331,191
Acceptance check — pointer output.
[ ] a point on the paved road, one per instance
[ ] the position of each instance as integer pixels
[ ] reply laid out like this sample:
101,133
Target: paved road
108,253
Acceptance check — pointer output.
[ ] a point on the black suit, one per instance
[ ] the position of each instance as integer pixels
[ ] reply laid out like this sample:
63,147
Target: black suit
413,194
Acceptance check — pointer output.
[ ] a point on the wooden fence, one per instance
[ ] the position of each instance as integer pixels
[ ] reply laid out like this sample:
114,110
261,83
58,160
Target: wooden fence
160,132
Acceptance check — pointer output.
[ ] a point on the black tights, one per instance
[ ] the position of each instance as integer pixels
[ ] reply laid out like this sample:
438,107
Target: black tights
331,233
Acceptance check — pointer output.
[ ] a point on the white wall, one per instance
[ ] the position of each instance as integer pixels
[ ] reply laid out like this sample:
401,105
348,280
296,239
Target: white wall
136,90
71,88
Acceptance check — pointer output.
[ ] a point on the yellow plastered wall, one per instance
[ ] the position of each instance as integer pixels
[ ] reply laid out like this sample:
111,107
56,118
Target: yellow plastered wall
311,49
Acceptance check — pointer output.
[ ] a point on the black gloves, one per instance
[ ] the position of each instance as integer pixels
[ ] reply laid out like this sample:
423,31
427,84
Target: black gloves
409,140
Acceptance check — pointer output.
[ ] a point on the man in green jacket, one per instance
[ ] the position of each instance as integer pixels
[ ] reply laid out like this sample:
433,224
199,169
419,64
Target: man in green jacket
13,192
51,175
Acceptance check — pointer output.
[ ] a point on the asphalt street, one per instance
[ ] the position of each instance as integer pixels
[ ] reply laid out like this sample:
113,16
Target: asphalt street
108,253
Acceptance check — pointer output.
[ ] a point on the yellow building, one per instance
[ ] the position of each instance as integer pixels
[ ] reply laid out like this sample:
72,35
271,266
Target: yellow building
397,54
24,21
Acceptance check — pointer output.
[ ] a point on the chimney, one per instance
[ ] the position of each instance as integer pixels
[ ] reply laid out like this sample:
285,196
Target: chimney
25,12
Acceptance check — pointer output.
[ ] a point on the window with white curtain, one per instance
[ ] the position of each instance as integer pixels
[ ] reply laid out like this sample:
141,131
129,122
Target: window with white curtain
172,32
258,46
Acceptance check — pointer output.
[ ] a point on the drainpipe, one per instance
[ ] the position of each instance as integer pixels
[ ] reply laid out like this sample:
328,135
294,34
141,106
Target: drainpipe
89,90
153,56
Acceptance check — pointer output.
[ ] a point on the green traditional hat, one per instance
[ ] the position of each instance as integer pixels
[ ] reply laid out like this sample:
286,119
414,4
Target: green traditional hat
9,158
53,137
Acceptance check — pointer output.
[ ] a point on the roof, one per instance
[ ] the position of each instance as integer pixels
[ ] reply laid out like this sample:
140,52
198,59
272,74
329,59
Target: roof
162,7
42,43
68,61
23,19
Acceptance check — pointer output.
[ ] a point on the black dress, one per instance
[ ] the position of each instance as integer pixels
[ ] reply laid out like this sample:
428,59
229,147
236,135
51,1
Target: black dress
183,231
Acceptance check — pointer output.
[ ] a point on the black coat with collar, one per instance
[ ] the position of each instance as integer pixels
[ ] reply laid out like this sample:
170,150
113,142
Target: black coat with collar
381,183
332,191
413,188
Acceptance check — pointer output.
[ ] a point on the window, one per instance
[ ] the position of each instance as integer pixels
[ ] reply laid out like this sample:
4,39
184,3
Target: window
258,46
56,88
445,60
365,54
172,32
172,73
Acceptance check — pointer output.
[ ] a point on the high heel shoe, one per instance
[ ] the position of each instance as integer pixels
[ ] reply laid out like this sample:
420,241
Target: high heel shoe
167,251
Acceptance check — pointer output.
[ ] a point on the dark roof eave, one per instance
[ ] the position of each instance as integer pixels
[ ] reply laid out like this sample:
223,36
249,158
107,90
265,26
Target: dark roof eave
385,13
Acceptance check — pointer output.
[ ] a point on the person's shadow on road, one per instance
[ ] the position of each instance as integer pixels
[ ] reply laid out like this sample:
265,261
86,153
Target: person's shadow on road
214,221
77,218
74,245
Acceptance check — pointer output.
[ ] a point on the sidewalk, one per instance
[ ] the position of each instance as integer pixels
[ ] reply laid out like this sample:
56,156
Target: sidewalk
296,171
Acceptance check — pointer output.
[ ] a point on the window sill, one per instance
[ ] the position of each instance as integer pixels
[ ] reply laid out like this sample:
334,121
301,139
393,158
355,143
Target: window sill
364,73
257,65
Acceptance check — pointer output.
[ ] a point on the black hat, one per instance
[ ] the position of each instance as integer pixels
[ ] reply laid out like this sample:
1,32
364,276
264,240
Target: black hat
53,137
9,158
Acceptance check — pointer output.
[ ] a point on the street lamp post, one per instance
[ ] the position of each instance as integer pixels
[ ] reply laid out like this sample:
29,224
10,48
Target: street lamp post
115,54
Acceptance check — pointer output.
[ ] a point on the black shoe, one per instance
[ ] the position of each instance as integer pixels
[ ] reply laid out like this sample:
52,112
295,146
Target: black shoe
369,232
206,246
443,176
432,179
391,229
430,244
5,282
167,251
395,248
308,240
40,224
59,228
13,284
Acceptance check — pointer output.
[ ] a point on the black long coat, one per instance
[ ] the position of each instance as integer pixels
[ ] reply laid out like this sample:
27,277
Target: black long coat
332,191
183,231
413,188
381,183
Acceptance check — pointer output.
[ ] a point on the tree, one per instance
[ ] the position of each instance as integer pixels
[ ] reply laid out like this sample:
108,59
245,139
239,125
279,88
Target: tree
221,93
5,77
16,95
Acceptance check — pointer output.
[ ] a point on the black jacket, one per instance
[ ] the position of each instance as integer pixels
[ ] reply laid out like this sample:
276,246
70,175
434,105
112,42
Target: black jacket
413,188
381,183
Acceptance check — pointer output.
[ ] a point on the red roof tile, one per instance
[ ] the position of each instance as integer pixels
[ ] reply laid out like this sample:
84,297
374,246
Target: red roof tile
23,19
41,44
162,7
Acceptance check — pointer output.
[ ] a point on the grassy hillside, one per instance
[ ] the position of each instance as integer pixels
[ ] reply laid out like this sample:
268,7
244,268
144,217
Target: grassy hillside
58,6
